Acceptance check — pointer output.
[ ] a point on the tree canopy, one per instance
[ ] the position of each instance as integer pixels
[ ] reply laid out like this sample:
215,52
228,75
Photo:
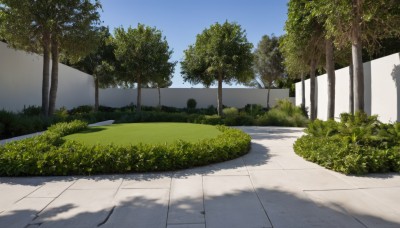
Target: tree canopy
220,54
268,62
144,55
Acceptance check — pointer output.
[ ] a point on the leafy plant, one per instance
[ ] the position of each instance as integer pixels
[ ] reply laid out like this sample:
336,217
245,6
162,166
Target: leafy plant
191,104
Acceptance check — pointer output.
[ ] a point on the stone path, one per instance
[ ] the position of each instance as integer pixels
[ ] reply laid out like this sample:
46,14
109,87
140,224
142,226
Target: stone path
269,187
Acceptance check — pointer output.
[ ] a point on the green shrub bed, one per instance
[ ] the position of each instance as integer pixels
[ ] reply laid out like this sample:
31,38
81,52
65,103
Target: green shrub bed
358,144
50,154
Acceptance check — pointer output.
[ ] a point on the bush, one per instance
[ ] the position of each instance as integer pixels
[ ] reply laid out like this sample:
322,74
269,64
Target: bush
191,104
232,111
49,154
32,110
358,144
254,109
83,109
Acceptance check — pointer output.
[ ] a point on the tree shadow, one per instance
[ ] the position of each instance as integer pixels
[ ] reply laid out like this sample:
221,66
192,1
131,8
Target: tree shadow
396,79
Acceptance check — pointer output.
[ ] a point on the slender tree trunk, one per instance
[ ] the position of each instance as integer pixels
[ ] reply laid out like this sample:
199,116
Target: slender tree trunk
96,94
313,106
54,75
220,95
159,97
356,49
139,95
269,90
330,67
46,73
351,87
303,92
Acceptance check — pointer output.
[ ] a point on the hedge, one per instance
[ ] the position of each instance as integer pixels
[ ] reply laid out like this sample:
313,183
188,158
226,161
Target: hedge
50,154
358,144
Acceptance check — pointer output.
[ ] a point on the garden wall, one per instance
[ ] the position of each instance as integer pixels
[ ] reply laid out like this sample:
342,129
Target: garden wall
381,90
21,85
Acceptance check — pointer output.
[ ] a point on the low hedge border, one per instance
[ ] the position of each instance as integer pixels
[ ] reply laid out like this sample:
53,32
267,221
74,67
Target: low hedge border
358,144
50,154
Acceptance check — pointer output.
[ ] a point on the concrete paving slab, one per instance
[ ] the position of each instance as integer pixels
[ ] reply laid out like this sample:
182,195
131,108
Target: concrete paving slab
361,206
13,191
372,180
148,180
186,201
52,189
230,201
292,161
288,206
98,182
229,168
316,179
390,197
260,160
23,212
139,208
187,226
77,208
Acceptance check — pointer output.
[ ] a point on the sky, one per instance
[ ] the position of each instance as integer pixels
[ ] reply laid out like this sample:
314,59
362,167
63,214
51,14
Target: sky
181,20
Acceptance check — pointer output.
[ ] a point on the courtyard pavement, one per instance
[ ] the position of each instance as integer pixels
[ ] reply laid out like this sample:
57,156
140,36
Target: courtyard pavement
269,187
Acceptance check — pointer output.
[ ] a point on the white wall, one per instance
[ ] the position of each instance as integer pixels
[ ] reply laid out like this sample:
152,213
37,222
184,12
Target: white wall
177,97
381,90
21,82
21,85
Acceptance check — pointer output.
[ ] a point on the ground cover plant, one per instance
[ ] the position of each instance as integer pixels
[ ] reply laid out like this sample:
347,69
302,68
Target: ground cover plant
358,144
149,133
51,154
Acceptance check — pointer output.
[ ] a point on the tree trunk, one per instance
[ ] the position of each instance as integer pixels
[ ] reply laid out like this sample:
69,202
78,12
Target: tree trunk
139,95
46,73
313,106
351,88
269,90
96,94
356,49
54,75
220,95
330,67
303,92
159,97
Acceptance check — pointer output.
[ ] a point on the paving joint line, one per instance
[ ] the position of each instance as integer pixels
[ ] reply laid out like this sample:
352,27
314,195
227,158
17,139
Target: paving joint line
169,201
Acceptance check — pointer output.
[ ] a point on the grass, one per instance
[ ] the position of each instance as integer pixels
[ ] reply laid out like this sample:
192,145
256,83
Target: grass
147,133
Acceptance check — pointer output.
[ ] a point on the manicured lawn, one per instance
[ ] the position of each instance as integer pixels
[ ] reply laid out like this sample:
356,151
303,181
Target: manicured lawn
148,133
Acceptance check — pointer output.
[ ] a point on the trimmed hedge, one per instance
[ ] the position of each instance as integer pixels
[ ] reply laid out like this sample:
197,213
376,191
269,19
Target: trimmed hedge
50,154
358,144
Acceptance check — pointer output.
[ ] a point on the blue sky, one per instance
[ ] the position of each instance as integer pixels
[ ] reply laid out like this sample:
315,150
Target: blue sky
181,20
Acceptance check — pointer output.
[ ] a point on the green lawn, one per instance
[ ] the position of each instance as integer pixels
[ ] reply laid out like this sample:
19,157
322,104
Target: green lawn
148,133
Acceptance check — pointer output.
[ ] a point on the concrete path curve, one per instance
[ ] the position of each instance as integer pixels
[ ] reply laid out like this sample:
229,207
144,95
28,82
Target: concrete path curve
269,187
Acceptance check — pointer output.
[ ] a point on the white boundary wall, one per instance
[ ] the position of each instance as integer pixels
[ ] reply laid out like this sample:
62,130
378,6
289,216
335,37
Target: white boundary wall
381,90
21,85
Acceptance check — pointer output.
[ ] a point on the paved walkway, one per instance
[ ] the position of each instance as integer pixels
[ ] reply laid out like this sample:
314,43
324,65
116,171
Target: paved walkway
269,187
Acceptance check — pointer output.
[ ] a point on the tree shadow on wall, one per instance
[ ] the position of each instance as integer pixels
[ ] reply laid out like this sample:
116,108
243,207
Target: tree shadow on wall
396,79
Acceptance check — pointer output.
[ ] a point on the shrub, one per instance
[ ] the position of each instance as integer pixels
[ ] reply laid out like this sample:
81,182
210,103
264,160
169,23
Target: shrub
239,120
191,104
49,154
254,109
32,110
81,110
232,111
358,144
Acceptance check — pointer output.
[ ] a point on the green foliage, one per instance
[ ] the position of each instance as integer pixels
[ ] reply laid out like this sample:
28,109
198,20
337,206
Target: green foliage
48,154
358,144
191,104
221,53
81,110
254,109
232,111
32,110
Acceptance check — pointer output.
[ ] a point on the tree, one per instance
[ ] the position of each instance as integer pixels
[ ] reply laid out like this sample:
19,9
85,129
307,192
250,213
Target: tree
26,25
100,63
268,62
307,34
46,27
73,30
220,54
161,82
144,55
361,23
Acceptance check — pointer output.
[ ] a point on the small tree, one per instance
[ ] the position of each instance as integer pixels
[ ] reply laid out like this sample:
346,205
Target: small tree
268,62
144,55
100,63
161,82
221,54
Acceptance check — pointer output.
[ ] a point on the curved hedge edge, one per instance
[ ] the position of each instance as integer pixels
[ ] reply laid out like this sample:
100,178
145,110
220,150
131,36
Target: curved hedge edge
49,154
